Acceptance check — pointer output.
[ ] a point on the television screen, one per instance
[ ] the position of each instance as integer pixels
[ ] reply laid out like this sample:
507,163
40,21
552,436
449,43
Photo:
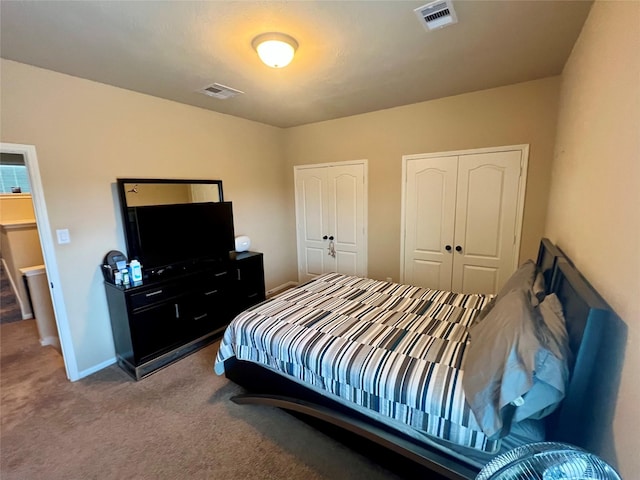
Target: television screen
173,234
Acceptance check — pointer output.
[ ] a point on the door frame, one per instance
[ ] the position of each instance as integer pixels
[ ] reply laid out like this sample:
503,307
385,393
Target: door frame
48,253
522,186
365,165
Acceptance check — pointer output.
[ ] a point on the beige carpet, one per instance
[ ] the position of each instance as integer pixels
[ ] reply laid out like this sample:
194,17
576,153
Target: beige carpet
176,424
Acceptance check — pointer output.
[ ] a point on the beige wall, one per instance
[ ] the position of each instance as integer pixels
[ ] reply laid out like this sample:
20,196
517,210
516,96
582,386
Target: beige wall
516,114
87,134
594,207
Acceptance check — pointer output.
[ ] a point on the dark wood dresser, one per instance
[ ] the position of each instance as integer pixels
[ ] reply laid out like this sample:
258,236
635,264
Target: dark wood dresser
163,320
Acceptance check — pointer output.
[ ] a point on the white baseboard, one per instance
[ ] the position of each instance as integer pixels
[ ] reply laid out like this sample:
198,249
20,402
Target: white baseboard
53,341
95,368
281,288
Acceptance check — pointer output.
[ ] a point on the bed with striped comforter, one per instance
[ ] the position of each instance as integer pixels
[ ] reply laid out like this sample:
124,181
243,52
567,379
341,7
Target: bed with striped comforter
393,349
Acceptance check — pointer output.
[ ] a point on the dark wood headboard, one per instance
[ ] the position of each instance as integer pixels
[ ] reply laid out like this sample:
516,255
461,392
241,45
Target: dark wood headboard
548,257
587,317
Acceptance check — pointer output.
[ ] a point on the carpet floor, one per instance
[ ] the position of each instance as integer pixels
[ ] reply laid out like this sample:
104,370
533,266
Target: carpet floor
175,424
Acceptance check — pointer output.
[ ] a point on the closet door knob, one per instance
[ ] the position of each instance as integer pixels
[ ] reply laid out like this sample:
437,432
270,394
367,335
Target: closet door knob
458,248
331,237
325,237
448,248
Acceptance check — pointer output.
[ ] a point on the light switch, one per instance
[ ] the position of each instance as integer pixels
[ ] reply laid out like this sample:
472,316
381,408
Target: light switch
63,236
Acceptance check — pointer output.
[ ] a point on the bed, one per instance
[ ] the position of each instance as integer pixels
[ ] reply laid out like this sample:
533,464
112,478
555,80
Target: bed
413,370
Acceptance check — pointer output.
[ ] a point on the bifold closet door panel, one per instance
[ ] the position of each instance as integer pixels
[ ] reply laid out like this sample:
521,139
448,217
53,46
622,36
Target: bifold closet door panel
485,220
430,207
312,222
345,194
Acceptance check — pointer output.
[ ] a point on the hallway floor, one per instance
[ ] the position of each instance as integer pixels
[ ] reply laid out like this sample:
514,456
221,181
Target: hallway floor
9,307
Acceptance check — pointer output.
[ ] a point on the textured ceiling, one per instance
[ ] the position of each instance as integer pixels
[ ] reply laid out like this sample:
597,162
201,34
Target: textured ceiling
354,56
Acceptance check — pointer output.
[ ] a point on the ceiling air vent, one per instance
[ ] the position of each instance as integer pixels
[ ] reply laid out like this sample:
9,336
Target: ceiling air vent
437,14
222,92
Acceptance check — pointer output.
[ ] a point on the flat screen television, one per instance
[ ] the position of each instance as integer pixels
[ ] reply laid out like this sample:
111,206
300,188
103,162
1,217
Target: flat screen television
176,235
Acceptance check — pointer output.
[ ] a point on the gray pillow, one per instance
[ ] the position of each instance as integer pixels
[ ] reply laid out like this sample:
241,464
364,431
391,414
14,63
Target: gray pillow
506,366
538,287
554,328
527,277
551,374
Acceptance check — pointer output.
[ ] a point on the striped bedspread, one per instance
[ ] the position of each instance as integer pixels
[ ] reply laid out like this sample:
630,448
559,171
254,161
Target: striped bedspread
394,349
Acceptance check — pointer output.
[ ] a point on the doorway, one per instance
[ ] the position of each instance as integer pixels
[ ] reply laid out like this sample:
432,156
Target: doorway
28,152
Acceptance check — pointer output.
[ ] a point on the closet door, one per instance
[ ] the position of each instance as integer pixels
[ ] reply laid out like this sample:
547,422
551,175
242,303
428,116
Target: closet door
312,223
485,221
331,220
345,202
462,218
430,206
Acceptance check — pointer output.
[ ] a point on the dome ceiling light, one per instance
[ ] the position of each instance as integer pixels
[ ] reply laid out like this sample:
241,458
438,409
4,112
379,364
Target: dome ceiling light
275,49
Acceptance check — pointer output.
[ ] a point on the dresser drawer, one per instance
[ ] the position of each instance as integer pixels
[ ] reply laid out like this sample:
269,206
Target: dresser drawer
220,277
153,295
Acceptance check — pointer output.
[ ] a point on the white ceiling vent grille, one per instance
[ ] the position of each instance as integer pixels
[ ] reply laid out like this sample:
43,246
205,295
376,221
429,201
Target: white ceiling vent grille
437,14
222,92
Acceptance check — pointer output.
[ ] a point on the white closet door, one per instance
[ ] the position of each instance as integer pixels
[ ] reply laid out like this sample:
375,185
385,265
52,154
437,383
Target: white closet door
462,218
430,205
331,202
346,218
312,223
485,226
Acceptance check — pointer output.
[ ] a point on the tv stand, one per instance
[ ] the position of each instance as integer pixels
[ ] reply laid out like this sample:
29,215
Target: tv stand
171,316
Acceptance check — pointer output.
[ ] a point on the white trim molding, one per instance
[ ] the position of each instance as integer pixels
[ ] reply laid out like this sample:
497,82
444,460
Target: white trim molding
281,288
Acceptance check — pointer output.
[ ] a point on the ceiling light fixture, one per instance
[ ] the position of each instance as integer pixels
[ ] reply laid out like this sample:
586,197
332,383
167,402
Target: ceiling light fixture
275,49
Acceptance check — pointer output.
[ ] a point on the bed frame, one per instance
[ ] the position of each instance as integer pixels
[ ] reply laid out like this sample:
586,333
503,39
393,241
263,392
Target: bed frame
587,316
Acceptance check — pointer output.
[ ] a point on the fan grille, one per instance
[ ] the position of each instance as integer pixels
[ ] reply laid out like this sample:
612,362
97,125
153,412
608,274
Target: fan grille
547,461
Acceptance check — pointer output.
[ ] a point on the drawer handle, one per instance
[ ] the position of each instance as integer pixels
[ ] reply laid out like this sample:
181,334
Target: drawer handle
200,317
220,274
157,292
211,292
